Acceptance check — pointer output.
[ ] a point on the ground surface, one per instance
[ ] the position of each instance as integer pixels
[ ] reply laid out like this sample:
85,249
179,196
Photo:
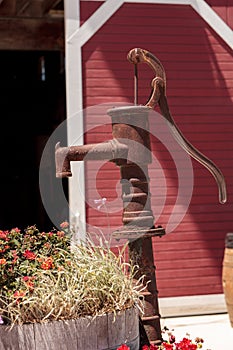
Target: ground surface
216,330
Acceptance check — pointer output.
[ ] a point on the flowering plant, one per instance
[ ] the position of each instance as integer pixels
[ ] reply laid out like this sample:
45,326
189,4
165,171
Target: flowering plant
43,277
23,253
171,344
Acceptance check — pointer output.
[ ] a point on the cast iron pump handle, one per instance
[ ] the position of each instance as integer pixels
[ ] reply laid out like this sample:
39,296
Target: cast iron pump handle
158,96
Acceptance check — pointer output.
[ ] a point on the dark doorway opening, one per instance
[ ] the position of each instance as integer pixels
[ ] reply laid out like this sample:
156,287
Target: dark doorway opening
32,105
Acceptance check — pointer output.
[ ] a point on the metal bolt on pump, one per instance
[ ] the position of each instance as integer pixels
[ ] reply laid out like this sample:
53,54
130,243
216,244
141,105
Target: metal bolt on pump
130,150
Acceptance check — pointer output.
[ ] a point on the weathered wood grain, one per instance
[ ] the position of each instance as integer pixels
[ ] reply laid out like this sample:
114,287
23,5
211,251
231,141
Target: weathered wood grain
8,338
101,333
26,339
57,335
116,329
86,333
131,324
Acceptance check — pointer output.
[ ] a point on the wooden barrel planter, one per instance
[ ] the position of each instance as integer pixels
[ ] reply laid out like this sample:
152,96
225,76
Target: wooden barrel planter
227,275
100,333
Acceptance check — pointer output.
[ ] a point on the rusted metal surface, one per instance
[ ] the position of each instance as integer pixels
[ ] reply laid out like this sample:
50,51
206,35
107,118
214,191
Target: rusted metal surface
141,254
110,150
130,124
134,173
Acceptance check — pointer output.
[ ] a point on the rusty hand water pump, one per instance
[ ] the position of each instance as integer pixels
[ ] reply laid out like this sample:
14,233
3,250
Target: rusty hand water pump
130,150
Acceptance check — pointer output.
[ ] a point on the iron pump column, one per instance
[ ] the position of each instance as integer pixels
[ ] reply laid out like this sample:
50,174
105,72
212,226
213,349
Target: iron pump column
130,127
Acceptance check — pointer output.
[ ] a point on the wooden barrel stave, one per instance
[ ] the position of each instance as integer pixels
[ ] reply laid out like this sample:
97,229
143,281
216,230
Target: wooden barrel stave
227,275
106,332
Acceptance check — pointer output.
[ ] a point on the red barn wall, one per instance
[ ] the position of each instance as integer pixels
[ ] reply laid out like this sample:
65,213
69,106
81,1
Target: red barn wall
199,70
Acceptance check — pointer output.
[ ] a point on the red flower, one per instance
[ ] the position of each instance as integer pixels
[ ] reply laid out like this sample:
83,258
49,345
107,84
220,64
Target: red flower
3,235
26,278
15,259
47,264
186,344
60,234
4,249
19,294
151,347
16,229
123,347
2,261
29,282
29,255
47,245
64,224
168,346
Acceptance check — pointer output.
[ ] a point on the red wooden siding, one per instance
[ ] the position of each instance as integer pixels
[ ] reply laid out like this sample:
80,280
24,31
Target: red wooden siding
199,71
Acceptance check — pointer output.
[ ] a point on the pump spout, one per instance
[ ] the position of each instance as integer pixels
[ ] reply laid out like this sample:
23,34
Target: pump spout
112,150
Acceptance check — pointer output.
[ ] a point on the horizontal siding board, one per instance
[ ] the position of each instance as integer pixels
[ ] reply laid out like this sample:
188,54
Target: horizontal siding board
219,95
174,91
93,51
204,276
201,239
202,281
187,265
187,244
189,254
192,289
199,72
204,218
173,74
162,34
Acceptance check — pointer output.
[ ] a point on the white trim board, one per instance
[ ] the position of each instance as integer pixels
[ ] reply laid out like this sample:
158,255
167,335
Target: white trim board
75,125
192,305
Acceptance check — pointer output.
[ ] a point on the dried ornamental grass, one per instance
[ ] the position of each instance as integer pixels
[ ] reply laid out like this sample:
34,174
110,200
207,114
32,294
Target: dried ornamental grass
61,283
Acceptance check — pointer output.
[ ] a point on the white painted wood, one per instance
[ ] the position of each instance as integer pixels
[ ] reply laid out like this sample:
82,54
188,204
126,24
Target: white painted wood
75,128
214,21
95,22
192,305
